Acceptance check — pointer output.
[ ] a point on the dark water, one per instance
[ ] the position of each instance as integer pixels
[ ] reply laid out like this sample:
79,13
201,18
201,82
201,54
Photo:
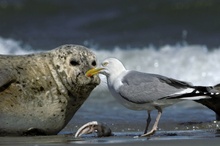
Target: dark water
45,24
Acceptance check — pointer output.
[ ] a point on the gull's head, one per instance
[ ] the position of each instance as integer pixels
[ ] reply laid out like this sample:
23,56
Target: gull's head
110,66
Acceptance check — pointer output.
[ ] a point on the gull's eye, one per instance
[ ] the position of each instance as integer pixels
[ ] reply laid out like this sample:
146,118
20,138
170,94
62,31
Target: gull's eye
104,63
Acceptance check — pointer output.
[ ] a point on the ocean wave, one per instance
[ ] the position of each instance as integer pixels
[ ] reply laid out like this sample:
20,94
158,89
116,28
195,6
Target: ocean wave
193,63
13,47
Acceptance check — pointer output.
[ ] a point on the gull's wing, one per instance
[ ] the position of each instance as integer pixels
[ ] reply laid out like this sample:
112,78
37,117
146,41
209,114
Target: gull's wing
141,87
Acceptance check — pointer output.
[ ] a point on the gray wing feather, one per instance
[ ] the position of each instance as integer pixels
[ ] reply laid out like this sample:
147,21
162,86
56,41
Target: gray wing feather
141,87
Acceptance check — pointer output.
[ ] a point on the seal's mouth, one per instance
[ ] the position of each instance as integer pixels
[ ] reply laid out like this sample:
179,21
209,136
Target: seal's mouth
94,80
83,80
81,86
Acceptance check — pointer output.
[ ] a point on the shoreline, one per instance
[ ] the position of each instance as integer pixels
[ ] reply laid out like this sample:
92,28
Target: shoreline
188,137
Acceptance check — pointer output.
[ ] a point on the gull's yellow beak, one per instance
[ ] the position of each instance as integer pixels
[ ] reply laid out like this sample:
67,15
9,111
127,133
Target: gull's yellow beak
93,71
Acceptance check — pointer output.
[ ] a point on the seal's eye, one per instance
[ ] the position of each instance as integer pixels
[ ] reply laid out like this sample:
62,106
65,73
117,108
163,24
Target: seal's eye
94,63
74,62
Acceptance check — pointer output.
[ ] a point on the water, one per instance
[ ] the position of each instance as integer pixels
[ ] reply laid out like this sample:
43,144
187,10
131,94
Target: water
46,24
178,39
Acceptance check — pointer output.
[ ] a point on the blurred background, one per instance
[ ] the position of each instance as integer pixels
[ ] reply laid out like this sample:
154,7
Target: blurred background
45,24
175,38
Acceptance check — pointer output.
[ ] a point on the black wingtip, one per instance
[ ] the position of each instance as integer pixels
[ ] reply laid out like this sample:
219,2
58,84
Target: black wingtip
198,91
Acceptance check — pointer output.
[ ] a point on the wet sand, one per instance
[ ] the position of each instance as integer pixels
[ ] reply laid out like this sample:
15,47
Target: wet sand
169,133
188,133
161,138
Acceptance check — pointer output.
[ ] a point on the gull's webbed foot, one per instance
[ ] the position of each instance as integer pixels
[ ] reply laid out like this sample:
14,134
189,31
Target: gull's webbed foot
149,133
94,126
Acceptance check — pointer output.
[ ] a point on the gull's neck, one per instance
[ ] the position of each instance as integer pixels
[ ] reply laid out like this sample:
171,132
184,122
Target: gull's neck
114,74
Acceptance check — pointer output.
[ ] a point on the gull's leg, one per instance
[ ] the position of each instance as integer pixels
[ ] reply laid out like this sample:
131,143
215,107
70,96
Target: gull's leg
154,129
148,122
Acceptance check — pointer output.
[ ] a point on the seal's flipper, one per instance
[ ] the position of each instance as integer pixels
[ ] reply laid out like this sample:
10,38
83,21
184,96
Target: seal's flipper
5,79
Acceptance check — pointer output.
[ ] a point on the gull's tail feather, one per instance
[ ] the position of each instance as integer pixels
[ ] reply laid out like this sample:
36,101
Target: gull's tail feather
198,92
208,96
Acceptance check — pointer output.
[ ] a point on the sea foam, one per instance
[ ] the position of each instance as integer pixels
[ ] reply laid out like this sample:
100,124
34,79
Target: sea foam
192,63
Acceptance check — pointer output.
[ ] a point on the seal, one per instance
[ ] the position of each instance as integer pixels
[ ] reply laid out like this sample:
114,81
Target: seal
214,102
40,93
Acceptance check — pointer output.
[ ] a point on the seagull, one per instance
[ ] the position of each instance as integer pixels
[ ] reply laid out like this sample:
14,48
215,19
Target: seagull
144,91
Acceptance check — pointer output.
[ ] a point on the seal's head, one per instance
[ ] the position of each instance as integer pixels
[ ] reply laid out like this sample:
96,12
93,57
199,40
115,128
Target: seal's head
71,63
